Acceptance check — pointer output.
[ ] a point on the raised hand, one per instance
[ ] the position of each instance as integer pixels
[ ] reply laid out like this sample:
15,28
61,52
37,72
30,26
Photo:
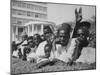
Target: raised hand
78,15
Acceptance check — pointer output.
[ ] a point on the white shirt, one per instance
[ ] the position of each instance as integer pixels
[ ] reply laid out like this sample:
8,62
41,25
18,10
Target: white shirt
64,53
39,53
22,47
87,55
15,53
61,53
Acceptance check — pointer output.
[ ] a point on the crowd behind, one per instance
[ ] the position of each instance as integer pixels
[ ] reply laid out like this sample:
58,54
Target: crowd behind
60,45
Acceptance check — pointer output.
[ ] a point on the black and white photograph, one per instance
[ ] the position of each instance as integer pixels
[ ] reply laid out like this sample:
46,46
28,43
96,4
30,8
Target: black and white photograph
51,37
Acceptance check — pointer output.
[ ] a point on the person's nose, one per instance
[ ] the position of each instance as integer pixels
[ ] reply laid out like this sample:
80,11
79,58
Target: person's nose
61,38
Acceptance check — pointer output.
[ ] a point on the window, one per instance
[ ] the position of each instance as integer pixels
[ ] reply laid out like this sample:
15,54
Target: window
20,12
37,27
28,13
19,4
13,20
45,9
28,6
20,30
24,13
14,3
45,16
33,7
24,5
32,14
36,15
13,11
38,8
19,22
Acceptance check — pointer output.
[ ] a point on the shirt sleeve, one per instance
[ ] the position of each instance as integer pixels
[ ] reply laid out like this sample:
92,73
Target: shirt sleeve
71,48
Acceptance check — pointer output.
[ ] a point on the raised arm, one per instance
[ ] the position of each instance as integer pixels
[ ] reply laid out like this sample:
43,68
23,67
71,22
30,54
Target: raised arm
78,16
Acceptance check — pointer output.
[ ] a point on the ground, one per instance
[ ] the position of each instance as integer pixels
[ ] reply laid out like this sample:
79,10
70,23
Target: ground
18,66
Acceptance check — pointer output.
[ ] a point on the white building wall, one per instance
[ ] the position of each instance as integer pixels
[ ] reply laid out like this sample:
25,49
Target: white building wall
23,12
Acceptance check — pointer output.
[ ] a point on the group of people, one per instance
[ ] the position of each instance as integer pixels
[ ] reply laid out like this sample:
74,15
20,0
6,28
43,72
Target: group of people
52,47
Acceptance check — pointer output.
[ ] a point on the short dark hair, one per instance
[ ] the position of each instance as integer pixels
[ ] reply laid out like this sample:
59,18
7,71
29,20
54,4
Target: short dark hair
66,27
49,29
30,38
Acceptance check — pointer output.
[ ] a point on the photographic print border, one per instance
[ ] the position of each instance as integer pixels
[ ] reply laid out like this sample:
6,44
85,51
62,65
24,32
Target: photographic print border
51,3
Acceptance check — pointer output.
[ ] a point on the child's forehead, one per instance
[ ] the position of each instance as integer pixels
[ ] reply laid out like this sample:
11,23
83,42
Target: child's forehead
47,47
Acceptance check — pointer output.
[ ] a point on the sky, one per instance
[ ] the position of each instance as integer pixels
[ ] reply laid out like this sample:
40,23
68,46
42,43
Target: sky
59,13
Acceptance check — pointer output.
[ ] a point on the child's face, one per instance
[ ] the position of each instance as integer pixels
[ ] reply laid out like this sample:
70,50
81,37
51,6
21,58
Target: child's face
30,42
36,39
47,52
81,34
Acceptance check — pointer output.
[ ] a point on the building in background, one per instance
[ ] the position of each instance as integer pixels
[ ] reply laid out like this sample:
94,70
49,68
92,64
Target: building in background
23,12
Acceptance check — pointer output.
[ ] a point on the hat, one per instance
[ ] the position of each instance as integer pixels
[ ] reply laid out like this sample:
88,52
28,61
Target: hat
66,27
84,23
